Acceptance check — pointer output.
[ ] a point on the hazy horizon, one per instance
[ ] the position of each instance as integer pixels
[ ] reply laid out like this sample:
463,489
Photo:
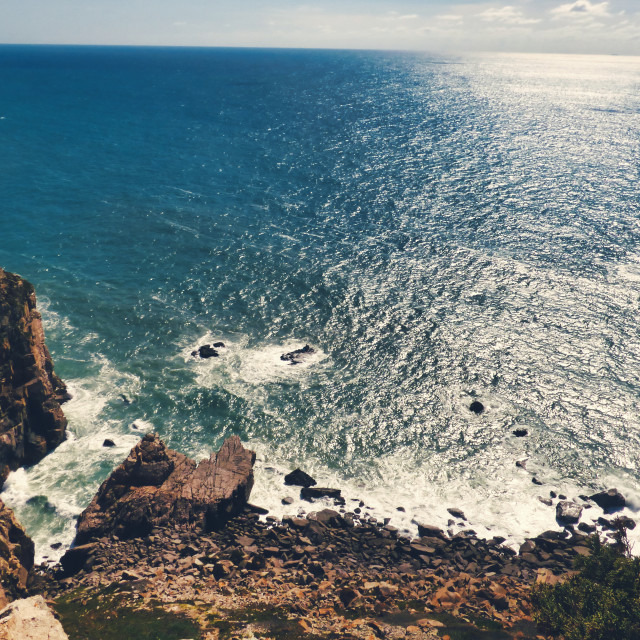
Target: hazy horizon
522,26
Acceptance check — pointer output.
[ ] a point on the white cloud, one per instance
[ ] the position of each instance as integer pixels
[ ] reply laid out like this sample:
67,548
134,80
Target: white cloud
507,15
581,9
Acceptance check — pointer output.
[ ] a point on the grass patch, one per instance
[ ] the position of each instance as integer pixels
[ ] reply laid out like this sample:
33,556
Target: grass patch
106,616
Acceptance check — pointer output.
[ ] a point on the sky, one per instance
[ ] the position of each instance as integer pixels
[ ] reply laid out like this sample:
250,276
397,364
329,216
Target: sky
576,26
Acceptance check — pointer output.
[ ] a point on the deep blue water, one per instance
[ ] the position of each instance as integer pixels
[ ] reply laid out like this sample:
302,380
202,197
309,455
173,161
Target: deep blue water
439,229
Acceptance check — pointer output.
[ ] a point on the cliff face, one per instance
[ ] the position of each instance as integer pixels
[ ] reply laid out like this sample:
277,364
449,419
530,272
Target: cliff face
16,557
31,420
156,486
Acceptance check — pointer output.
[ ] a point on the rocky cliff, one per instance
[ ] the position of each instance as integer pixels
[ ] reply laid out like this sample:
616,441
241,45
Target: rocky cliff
157,486
16,557
31,420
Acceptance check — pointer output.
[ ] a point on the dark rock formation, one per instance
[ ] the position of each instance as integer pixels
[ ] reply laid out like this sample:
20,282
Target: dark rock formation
299,478
520,433
568,512
313,493
205,351
157,486
477,407
108,443
609,500
31,420
456,513
16,557
297,356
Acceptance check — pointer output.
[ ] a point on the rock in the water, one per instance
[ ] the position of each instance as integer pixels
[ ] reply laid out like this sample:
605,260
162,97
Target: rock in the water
30,619
158,486
520,433
430,531
108,443
313,493
568,512
457,513
477,407
31,420
16,557
610,500
297,356
218,345
205,351
299,478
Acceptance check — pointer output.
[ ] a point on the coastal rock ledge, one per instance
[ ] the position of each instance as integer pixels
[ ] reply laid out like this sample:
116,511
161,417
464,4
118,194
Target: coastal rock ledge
156,486
31,420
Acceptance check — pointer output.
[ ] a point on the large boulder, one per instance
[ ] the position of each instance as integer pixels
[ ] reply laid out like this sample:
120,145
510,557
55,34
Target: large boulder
31,420
610,500
157,486
568,512
30,619
16,557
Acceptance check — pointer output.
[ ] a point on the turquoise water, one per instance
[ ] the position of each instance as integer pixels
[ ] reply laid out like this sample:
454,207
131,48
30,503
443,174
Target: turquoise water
438,229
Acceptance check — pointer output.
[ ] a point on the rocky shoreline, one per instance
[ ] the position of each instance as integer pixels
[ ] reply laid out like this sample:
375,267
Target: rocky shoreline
175,544
314,574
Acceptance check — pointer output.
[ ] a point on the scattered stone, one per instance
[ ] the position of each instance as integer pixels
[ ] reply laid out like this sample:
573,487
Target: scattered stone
287,501
299,478
218,345
477,407
546,501
536,481
522,464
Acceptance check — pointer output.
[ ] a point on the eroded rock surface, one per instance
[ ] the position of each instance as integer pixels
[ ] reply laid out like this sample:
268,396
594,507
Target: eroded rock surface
16,557
31,420
30,619
156,486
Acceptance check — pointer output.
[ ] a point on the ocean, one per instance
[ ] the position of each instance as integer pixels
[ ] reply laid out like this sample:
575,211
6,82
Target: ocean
439,229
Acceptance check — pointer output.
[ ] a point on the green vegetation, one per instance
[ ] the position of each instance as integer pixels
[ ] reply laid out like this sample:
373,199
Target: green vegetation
111,617
602,602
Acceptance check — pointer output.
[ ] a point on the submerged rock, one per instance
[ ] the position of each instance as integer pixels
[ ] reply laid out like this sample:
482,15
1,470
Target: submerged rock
297,356
157,486
313,493
31,420
30,619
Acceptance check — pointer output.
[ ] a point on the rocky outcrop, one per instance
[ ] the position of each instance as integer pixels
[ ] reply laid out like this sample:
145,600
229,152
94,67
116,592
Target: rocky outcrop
610,500
16,557
31,420
30,619
156,486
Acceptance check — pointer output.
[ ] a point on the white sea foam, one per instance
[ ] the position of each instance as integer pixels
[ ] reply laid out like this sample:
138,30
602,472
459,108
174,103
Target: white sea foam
240,364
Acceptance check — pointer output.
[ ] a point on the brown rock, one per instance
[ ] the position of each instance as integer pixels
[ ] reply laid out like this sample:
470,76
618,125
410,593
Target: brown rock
31,420
156,486
16,557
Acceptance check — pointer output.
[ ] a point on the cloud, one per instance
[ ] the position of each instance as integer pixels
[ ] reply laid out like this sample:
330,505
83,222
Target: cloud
581,9
507,15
